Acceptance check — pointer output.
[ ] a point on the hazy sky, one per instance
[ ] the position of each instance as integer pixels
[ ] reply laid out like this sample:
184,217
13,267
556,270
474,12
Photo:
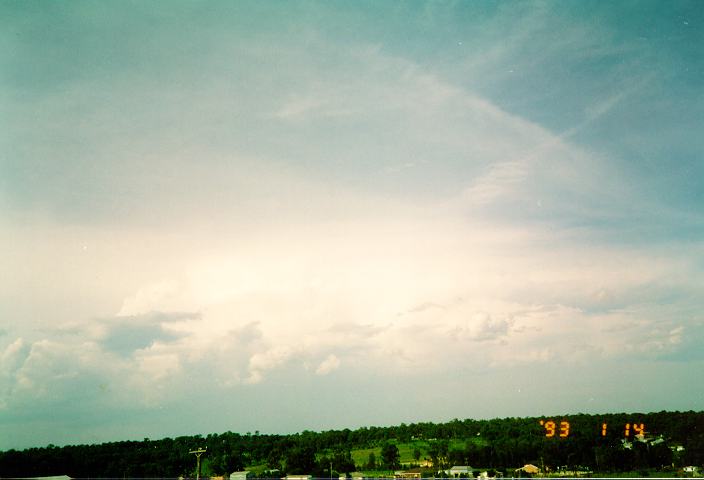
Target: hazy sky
280,216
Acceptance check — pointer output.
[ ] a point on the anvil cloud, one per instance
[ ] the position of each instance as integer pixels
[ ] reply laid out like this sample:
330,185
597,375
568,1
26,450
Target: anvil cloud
318,215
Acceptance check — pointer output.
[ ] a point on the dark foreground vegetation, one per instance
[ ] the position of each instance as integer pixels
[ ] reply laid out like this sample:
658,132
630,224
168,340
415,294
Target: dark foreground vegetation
672,440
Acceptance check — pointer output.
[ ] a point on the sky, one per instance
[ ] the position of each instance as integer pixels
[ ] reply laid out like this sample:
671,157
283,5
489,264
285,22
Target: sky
277,216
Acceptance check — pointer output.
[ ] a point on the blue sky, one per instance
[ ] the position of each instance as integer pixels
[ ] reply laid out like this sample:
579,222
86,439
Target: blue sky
315,215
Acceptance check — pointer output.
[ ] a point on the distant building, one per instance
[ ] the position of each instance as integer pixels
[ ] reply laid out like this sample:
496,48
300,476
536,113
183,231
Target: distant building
412,473
458,470
299,477
244,475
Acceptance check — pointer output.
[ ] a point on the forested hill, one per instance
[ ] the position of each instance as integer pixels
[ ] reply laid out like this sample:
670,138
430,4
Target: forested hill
601,443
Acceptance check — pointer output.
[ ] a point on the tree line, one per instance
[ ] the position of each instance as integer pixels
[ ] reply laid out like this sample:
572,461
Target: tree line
502,444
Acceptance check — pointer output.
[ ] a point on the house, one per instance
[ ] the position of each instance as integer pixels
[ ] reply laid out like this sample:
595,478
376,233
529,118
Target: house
244,475
458,470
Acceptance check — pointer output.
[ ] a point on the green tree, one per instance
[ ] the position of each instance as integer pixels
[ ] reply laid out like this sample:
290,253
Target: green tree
433,453
390,455
300,460
273,460
443,447
371,462
342,461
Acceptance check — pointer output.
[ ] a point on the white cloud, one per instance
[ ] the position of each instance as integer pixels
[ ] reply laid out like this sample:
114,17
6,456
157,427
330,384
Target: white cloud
483,327
154,376
168,294
328,365
13,356
11,360
268,360
313,106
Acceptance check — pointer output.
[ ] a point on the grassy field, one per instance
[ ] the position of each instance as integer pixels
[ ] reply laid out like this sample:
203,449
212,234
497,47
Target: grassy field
405,450
360,456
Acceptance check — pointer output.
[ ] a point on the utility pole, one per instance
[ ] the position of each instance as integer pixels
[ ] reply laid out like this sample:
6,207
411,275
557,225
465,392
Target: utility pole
198,453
